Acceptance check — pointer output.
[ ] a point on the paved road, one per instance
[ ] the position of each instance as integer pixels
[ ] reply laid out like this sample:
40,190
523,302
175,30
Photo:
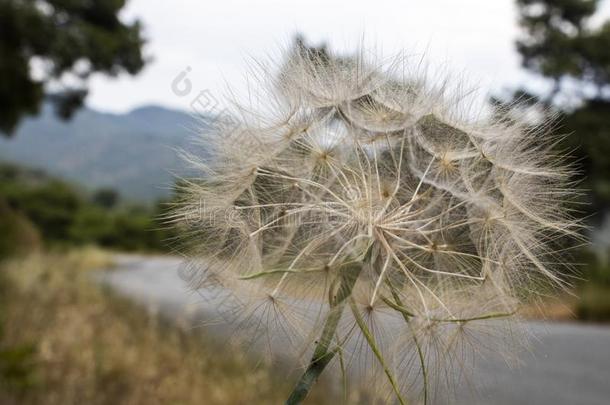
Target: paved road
568,364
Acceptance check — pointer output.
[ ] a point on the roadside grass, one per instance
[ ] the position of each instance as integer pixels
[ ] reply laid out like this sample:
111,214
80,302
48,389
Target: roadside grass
594,304
588,302
65,340
560,308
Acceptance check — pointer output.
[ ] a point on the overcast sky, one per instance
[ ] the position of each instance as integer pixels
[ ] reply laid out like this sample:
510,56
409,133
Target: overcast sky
474,38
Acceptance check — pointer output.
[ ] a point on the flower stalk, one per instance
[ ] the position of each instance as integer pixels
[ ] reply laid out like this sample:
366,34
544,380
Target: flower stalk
323,352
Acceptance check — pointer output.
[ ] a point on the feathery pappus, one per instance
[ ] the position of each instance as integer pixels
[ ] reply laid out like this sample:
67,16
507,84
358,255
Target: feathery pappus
361,216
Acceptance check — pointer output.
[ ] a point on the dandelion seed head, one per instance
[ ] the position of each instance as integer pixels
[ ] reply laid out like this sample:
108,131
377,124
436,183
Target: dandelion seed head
354,157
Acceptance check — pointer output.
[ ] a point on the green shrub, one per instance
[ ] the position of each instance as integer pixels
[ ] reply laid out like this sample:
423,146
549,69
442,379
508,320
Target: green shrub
65,215
19,235
594,304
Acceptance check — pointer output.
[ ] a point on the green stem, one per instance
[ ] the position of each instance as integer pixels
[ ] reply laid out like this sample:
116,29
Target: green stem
322,355
407,315
315,368
370,339
494,315
343,374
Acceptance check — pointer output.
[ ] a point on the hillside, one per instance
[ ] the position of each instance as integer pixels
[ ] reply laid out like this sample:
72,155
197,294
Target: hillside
133,153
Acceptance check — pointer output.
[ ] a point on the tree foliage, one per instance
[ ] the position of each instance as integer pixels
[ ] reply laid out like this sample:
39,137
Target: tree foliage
561,43
51,47
34,205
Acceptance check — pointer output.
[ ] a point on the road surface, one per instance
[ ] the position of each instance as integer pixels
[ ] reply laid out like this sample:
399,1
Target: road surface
569,363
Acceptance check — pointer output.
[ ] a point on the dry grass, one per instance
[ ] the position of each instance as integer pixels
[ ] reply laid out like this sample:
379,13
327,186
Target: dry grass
90,347
594,304
562,308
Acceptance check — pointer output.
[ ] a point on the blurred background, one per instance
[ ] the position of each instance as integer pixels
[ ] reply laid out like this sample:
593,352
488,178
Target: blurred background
96,96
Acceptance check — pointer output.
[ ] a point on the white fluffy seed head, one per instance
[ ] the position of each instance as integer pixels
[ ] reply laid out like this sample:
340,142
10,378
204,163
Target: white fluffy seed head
340,156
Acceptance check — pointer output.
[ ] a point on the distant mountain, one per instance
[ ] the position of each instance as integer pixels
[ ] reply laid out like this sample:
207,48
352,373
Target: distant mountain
133,153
